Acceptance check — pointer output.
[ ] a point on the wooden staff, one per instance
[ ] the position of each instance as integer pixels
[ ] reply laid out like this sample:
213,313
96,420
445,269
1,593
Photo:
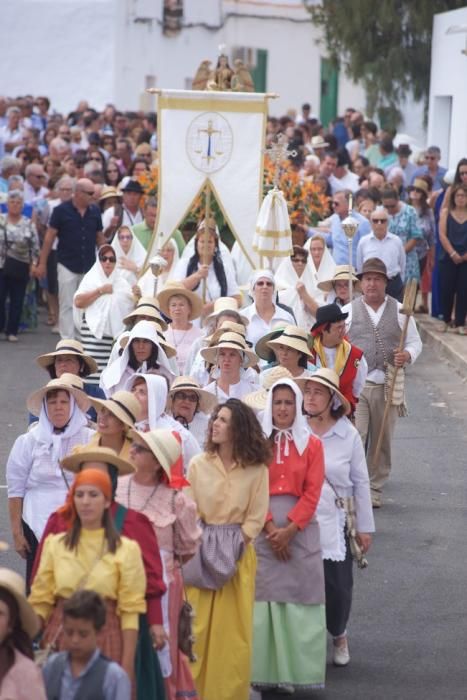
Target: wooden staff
207,216
408,304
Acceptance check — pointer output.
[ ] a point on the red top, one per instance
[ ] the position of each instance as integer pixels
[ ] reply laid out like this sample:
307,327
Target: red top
348,375
299,475
136,526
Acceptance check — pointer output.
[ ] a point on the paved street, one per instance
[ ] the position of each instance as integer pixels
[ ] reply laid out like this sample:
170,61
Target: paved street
408,636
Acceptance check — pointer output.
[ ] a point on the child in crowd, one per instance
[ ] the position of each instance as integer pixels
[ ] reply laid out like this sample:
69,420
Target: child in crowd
83,671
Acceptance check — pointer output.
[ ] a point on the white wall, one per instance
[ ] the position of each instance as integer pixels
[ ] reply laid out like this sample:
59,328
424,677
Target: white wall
59,48
448,84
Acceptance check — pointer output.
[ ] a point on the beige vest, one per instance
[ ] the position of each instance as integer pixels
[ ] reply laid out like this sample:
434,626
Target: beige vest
377,348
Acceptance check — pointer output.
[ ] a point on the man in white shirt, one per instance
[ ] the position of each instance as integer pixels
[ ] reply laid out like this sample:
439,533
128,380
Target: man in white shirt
34,187
375,325
386,246
263,315
11,135
343,178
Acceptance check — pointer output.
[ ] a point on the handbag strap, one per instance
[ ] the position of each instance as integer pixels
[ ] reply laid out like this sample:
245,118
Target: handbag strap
340,502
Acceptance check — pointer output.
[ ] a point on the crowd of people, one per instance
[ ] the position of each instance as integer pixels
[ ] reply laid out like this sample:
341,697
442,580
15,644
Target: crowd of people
209,445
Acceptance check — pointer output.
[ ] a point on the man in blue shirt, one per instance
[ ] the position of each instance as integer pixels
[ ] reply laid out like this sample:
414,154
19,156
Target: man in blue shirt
432,168
78,226
336,239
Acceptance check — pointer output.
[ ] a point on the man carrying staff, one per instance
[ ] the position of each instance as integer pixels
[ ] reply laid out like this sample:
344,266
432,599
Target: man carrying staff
331,349
375,324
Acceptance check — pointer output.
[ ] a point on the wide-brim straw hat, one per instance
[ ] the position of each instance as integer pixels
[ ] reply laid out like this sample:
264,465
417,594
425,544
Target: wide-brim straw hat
224,328
374,266
172,289
169,350
262,348
207,401
221,305
109,192
15,584
318,142
123,405
67,382
164,446
85,453
293,337
258,399
328,378
68,347
234,341
340,273
147,306
420,184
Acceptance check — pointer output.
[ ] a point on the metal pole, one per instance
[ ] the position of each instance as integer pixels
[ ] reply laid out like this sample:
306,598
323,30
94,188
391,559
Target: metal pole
207,214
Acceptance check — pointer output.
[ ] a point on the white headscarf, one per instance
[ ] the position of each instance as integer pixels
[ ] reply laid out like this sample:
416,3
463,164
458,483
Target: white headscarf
257,275
105,315
286,280
298,432
55,444
327,265
112,375
158,391
146,281
136,254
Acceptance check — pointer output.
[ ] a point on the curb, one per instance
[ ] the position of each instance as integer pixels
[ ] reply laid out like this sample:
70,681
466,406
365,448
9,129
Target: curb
443,345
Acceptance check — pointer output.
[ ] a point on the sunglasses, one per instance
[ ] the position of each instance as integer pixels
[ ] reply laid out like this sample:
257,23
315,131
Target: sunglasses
139,448
298,260
263,284
107,258
379,221
184,396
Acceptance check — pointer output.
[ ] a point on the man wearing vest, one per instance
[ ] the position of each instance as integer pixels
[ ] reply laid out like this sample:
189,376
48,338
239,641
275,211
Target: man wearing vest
375,324
331,349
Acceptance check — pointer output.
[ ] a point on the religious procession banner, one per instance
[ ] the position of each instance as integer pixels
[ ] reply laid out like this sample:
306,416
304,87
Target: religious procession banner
214,138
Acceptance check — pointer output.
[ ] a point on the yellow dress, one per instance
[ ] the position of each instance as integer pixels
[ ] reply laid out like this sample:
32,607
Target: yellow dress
223,624
119,576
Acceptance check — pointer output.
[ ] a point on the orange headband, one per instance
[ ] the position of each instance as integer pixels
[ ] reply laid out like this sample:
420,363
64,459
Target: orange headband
90,477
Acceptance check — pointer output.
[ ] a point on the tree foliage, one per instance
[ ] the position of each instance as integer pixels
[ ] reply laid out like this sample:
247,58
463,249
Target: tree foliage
385,45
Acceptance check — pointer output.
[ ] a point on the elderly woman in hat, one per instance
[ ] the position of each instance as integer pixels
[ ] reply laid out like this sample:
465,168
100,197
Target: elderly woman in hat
115,417
151,391
288,347
264,312
101,302
230,355
289,650
143,353
346,488
337,288
222,589
174,519
191,406
208,273
36,482
130,254
182,306
92,554
19,625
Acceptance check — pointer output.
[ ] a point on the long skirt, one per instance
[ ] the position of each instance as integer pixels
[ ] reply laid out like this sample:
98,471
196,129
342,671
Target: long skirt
223,627
289,641
180,683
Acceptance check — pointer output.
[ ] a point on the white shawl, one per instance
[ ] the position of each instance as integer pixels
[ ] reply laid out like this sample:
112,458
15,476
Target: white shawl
286,281
136,254
105,315
298,432
146,281
55,444
113,374
327,265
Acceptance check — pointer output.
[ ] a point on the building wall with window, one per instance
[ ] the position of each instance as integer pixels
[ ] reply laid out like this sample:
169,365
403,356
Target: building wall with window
447,123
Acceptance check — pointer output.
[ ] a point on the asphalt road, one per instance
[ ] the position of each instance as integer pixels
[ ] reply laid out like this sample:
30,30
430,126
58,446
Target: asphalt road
408,632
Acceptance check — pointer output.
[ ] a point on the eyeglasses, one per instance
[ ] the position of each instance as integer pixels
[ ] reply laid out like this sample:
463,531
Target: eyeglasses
184,396
298,260
139,448
379,221
107,258
264,284
431,157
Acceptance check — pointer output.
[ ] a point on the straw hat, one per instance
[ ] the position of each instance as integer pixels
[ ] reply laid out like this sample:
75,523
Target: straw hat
207,401
340,273
234,341
257,399
67,347
262,348
224,304
14,584
176,288
224,327
109,192
420,184
123,405
329,379
318,142
164,446
293,337
68,382
85,453
147,306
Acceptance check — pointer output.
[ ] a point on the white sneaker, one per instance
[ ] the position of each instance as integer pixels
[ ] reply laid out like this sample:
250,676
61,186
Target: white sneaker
340,654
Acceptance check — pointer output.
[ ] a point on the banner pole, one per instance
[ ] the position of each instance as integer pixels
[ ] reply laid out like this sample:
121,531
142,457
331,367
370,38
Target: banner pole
207,216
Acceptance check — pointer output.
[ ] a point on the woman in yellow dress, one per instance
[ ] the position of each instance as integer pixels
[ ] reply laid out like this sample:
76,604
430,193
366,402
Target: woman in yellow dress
92,555
229,483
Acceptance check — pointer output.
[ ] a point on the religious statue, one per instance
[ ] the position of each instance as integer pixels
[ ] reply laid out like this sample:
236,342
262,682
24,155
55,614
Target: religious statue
222,77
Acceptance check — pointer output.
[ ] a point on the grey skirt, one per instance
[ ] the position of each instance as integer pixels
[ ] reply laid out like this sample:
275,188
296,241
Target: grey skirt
215,561
299,580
